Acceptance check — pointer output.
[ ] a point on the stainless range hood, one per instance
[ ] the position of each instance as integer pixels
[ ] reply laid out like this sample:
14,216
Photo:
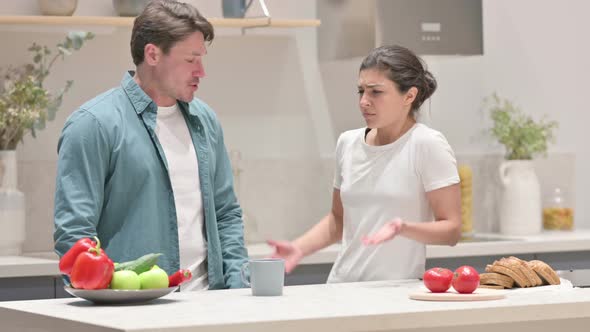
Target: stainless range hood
351,28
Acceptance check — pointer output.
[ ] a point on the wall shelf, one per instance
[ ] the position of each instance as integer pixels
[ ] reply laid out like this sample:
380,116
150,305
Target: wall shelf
117,21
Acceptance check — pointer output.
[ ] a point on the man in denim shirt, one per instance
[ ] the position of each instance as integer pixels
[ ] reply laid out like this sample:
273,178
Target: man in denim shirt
144,167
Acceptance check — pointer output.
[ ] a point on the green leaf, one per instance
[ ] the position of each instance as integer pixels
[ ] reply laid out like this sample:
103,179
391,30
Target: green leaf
52,110
77,43
35,48
64,51
75,39
40,124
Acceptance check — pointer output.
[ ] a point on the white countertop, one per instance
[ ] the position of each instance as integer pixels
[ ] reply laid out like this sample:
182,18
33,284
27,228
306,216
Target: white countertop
19,266
370,306
549,241
45,264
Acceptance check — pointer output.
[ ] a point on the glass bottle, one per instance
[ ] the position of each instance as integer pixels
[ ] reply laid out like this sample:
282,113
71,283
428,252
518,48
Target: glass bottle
558,213
466,177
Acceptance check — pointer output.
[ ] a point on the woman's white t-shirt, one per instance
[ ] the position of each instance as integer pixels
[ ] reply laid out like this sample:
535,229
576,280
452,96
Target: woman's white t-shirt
380,183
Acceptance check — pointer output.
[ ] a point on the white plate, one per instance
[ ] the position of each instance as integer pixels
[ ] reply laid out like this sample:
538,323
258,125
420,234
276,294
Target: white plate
119,296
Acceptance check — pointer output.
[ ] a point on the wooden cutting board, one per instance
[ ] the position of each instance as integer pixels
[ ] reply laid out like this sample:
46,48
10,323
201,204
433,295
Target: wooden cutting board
480,294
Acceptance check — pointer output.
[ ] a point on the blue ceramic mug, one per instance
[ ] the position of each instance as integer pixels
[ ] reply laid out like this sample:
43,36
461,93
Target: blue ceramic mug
267,276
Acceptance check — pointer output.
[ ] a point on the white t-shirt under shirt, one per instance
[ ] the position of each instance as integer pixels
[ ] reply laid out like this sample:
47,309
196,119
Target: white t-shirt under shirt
379,183
183,170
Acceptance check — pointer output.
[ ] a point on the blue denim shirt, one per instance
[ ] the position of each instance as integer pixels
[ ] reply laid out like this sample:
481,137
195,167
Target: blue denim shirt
113,182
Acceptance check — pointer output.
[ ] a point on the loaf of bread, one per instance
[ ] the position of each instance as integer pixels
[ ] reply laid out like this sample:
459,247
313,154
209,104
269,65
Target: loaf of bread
528,272
509,272
496,279
511,269
545,272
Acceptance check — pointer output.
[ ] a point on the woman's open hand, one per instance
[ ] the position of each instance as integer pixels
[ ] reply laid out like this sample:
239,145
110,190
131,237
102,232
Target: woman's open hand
390,230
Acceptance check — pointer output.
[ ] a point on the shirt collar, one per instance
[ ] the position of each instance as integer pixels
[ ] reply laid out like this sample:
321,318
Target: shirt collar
141,101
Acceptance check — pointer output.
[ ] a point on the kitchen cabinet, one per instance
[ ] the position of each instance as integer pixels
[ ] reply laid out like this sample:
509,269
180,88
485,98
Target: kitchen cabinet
32,288
28,278
27,288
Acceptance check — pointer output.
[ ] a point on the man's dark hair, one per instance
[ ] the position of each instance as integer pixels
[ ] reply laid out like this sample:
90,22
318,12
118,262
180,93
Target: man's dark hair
164,23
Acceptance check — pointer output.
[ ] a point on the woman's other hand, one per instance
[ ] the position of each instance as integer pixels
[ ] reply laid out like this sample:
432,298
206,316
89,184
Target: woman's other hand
390,230
287,251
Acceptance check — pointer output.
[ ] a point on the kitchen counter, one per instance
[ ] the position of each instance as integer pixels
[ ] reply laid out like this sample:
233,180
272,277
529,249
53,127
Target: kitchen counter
480,245
45,264
371,306
22,266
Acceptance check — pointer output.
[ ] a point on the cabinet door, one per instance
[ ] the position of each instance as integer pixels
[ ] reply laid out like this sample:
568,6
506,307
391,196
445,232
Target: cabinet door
308,275
29,288
59,288
572,260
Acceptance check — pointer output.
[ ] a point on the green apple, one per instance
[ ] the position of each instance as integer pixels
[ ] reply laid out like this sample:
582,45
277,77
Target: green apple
125,280
154,278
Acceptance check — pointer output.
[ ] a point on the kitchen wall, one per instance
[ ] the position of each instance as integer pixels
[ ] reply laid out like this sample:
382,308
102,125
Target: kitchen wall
534,55
255,83
283,120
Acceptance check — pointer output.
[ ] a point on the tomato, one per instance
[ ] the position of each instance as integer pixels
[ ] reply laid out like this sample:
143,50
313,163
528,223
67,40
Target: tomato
465,279
438,280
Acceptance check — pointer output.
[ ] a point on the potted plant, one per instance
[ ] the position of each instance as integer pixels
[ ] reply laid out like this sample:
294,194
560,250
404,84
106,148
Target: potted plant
523,139
25,106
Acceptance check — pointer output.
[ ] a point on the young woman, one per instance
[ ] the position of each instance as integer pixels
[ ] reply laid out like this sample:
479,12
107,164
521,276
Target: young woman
396,186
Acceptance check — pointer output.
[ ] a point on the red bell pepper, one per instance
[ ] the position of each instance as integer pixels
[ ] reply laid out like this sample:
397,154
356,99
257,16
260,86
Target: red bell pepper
179,277
67,261
92,269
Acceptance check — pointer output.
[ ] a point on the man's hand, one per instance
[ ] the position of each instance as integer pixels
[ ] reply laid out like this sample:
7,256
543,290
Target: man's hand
387,232
287,251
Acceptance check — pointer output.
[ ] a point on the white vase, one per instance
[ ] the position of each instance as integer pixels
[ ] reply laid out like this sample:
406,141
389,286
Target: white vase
12,206
520,204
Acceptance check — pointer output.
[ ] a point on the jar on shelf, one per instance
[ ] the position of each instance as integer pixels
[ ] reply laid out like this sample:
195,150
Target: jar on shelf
466,177
558,213
58,7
